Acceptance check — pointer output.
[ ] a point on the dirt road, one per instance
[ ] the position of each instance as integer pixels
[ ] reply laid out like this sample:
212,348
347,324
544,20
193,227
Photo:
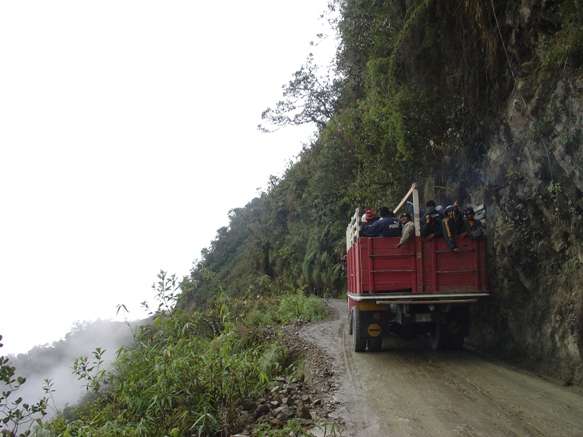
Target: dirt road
407,390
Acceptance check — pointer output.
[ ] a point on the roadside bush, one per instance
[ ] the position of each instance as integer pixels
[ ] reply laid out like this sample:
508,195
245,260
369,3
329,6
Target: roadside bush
173,382
189,373
298,306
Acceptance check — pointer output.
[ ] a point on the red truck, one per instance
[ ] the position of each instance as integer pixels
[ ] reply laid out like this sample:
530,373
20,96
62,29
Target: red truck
420,288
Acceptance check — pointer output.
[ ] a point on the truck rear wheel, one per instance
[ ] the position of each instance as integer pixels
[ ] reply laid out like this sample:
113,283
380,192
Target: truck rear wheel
375,344
457,327
438,337
358,342
455,341
443,337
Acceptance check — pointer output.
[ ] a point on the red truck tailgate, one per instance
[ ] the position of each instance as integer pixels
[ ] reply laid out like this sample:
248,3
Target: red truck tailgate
376,265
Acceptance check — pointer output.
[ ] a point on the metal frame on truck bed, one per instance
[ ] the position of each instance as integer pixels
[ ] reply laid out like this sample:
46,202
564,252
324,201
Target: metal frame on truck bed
421,287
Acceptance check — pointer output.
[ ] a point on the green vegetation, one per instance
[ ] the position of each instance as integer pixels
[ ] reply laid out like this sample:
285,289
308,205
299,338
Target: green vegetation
299,307
295,429
287,308
410,94
17,416
188,372
562,45
416,87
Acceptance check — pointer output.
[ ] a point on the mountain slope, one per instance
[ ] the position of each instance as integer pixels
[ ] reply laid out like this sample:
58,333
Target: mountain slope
476,101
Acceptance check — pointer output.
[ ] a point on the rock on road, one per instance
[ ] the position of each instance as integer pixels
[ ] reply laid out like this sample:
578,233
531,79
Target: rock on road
407,390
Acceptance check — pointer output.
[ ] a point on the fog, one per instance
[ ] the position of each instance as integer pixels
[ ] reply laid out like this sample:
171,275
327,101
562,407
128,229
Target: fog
128,130
55,361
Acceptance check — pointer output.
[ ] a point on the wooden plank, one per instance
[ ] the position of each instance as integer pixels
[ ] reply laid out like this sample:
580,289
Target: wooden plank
398,207
418,241
353,229
416,212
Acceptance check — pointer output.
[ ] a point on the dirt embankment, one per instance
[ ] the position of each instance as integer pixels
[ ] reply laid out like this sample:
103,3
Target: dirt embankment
305,398
406,390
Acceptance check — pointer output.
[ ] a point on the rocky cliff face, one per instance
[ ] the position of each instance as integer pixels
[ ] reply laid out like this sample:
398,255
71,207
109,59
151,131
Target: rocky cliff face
531,182
534,181
530,178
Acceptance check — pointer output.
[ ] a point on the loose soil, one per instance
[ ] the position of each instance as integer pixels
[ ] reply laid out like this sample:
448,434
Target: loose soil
407,390
306,398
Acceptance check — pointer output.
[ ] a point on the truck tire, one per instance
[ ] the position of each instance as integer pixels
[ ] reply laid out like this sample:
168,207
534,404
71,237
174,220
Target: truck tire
350,323
358,342
438,337
443,338
375,344
457,327
455,342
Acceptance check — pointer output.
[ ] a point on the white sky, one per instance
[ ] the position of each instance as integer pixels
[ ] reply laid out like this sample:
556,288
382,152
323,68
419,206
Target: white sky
127,133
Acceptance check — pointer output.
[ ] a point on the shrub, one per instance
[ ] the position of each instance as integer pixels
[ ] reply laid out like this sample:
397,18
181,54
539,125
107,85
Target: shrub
188,373
299,307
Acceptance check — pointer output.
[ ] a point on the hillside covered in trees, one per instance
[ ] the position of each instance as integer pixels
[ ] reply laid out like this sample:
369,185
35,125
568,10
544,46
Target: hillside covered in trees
479,101
476,101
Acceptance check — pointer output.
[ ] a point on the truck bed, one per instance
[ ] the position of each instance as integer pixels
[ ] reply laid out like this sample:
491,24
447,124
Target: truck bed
421,270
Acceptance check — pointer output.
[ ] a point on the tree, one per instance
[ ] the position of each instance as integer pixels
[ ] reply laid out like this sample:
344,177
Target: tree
309,97
16,414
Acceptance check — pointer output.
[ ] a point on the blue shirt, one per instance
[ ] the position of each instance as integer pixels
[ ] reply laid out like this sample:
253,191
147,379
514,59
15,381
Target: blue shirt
383,227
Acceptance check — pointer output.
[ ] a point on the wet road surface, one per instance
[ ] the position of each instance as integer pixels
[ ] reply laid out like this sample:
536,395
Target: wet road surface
408,390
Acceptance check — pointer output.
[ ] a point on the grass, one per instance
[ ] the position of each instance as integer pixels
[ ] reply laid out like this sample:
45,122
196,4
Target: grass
189,373
299,307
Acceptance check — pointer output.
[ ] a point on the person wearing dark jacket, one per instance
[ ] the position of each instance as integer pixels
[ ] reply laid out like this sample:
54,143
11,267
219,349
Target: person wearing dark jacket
472,226
449,228
386,226
431,226
458,218
369,216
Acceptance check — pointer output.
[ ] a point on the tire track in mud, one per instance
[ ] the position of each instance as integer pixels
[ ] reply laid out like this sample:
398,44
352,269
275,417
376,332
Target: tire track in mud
474,393
360,420
407,390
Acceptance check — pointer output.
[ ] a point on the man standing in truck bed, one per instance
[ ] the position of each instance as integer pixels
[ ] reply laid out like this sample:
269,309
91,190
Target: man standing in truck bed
431,226
408,228
450,230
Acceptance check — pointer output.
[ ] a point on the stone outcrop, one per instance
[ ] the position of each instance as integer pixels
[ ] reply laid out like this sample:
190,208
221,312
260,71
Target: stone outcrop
531,183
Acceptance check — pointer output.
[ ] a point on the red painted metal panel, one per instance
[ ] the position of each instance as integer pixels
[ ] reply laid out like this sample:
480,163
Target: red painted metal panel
364,265
371,259
352,269
483,275
429,265
419,265
376,265
383,266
